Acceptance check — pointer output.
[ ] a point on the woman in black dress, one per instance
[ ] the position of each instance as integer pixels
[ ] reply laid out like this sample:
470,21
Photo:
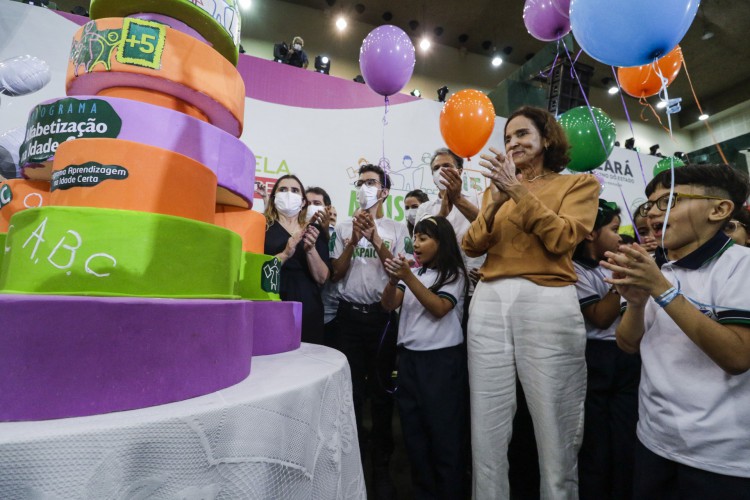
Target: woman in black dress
302,250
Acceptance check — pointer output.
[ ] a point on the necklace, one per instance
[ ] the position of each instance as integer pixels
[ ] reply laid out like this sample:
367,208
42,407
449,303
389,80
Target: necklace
537,177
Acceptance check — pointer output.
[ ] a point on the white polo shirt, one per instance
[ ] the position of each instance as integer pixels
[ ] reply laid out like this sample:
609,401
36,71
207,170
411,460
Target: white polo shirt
691,411
420,330
366,277
459,222
591,288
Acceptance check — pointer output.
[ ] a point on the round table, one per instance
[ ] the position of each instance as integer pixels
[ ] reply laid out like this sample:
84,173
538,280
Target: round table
286,432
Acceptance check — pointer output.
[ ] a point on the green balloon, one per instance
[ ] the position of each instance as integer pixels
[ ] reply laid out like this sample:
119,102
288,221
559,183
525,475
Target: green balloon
666,163
586,149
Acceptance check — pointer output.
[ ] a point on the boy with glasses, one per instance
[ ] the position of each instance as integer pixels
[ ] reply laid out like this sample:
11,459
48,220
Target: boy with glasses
361,247
690,320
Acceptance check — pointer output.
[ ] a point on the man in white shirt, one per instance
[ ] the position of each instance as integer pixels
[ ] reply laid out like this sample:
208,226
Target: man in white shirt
360,249
458,207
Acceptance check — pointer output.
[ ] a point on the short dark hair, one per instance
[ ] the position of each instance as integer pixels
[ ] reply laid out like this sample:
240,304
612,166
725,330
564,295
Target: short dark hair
743,215
385,180
445,151
716,179
556,156
418,194
322,192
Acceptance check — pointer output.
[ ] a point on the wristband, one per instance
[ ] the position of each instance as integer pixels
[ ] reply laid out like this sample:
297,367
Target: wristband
667,297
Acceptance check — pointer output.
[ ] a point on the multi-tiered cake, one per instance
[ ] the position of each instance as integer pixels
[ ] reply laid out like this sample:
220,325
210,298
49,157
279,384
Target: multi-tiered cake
132,271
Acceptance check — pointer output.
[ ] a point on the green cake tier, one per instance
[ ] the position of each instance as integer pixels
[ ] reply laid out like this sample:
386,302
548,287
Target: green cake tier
103,252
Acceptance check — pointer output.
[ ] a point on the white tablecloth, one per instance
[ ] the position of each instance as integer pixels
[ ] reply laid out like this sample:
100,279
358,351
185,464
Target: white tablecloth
286,432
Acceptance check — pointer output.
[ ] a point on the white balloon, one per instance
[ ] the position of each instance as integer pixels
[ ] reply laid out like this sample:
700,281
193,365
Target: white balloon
23,75
10,142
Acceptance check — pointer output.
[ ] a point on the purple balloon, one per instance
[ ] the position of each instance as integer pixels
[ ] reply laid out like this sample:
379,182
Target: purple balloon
543,21
562,6
386,59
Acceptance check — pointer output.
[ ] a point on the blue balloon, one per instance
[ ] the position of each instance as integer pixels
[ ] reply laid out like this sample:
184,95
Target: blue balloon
630,32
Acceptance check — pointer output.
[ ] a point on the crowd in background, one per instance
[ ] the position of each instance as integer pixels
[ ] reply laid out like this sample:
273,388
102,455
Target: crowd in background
630,355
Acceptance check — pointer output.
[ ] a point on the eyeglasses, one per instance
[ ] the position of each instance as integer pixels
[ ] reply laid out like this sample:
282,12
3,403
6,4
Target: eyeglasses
366,182
662,202
733,225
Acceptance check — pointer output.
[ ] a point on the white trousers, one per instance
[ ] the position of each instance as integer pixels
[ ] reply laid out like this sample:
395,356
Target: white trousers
536,332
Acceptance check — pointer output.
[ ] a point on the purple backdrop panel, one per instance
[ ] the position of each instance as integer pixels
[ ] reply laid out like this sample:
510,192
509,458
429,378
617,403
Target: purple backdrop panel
277,327
76,356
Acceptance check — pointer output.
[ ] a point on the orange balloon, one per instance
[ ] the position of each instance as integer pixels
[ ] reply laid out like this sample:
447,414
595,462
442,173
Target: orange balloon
466,122
644,81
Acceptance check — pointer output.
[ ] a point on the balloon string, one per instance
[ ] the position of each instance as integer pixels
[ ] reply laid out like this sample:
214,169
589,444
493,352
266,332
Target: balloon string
630,214
554,63
630,124
574,74
383,163
705,122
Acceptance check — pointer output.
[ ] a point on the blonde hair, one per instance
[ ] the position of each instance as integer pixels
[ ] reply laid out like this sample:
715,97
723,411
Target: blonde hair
270,212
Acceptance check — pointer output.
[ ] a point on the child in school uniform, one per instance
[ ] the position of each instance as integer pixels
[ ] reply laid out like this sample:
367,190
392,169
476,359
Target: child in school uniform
432,371
605,462
688,312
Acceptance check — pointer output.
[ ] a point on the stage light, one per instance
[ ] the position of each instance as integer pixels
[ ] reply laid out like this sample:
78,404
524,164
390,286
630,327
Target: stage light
416,93
612,89
245,4
341,24
703,117
497,61
425,44
442,93
322,64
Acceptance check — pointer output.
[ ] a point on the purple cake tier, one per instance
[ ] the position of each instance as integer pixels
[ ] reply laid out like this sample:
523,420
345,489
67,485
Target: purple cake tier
76,356
277,327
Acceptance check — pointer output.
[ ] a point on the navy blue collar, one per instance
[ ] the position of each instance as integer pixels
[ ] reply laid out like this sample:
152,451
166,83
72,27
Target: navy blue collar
585,261
707,252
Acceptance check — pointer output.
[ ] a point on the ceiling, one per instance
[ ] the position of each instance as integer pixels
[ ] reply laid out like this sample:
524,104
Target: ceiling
719,66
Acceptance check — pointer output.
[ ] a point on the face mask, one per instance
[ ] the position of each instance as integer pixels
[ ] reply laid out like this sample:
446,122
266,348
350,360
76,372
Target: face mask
313,209
367,196
297,46
438,179
288,204
411,215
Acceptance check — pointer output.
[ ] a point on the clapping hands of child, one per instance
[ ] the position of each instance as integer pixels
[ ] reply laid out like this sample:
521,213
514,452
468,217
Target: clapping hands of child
635,274
397,268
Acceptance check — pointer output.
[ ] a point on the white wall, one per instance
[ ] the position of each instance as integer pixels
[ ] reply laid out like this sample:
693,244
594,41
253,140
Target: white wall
726,125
